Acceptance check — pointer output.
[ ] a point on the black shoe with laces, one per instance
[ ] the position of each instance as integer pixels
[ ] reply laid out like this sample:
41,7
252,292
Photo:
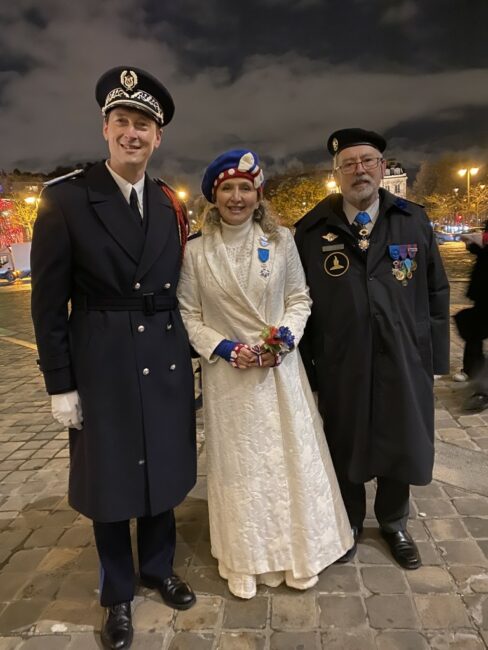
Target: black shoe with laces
117,631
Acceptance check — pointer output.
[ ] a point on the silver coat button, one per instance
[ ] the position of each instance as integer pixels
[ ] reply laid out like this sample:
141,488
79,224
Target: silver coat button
142,461
167,285
137,286
140,328
172,366
146,371
169,326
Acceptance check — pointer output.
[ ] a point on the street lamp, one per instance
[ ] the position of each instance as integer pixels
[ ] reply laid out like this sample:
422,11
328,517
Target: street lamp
468,172
331,186
182,194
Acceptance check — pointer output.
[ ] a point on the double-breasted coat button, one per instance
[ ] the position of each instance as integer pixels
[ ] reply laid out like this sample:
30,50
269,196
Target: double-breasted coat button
169,326
142,461
140,328
167,285
137,286
172,366
146,371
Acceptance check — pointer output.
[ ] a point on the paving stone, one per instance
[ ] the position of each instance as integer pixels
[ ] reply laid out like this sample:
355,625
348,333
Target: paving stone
435,507
69,616
202,616
477,605
441,611
27,560
463,552
87,641
387,612
12,584
78,586
477,432
152,616
11,539
246,613
342,640
41,585
202,555
21,615
405,640
471,421
471,506
429,579
483,544
384,580
10,643
77,536
206,580
188,641
446,529
295,641
241,641
50,642
373,552
450,434
59,559
453,641
416,528
433,490
294,612
474,578
338,578
430,554
477,526
341,611
45,536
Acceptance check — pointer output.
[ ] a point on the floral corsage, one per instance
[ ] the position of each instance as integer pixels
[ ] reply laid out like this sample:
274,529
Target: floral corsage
277,340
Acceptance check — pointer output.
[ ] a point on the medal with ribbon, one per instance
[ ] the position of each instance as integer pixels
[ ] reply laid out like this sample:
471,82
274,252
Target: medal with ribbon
263,256
404,264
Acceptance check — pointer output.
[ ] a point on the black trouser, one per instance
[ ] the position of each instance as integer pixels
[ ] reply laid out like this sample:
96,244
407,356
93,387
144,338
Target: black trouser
391,505
156,538
473,357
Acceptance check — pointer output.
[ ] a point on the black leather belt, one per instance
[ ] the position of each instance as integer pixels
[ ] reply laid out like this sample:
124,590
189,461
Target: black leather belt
148,303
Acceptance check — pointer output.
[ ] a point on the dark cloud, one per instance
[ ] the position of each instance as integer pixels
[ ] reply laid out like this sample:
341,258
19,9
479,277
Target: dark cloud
277,75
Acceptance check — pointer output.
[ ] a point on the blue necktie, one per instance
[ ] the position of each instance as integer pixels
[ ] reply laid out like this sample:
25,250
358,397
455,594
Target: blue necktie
362,218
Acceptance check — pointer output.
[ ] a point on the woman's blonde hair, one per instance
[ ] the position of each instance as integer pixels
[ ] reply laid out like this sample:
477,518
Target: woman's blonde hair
263,215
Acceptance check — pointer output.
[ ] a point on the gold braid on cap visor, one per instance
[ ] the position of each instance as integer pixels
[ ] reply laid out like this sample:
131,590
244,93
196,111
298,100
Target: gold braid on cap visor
139,99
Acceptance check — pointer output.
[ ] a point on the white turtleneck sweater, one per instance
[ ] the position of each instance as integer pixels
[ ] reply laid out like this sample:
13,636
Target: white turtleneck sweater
238,241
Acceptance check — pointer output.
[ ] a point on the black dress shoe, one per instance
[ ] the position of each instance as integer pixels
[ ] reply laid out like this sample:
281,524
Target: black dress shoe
174,591
476,402
349,555
117,631
403,549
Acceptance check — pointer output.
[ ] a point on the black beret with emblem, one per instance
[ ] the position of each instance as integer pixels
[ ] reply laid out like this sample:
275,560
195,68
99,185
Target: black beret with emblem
135,88
344,138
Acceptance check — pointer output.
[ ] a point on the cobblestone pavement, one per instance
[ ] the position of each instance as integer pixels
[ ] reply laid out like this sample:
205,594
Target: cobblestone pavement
49,572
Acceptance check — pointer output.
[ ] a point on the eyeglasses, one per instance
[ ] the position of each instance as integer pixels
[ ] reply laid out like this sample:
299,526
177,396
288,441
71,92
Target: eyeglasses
368,163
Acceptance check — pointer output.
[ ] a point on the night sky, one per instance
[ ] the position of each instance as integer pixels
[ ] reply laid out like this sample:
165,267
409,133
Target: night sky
273,75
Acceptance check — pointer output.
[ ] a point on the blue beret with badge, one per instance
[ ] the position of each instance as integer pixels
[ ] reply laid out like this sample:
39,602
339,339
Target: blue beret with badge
135,88
344,138
237,163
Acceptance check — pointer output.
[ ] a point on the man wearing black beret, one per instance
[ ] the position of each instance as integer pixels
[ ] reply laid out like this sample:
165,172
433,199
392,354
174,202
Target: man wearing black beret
118,367
378,332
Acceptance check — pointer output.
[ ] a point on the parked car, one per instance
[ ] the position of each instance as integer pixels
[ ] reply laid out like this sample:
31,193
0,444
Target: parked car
15,262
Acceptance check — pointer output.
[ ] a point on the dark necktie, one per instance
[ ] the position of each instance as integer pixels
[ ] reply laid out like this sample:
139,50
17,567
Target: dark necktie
362,218
134,204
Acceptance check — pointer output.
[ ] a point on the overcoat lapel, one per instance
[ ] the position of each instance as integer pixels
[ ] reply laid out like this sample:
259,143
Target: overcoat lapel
220,267
381,232
161,221
114,211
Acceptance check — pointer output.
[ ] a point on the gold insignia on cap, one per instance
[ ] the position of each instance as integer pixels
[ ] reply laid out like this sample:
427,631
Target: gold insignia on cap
336,264
128,79
330,236
335,144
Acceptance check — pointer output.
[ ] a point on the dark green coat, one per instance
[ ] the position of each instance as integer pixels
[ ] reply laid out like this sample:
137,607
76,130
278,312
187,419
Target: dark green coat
372,345
136,452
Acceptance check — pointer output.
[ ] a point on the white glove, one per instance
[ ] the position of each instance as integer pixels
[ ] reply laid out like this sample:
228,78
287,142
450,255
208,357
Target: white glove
66,409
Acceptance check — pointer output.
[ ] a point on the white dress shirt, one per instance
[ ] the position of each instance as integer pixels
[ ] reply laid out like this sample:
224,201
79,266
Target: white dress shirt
126,188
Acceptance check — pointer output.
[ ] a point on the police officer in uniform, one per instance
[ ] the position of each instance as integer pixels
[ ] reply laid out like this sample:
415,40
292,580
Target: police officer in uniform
378,332
117,363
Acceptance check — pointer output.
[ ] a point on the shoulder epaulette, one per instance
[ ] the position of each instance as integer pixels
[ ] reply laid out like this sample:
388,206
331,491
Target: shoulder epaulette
54,181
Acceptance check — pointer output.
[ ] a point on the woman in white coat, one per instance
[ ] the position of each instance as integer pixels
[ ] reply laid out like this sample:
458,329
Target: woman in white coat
275,508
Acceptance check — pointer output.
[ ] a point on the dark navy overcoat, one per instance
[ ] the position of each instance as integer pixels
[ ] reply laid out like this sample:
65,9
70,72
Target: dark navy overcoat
135,455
